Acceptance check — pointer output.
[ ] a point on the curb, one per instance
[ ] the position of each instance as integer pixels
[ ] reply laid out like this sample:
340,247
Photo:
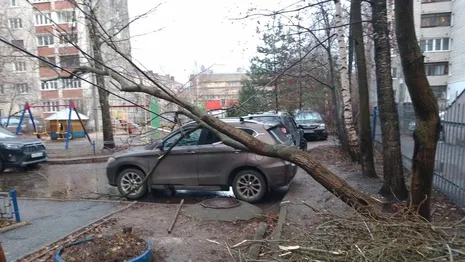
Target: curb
103,218
78,199
14,226
78,160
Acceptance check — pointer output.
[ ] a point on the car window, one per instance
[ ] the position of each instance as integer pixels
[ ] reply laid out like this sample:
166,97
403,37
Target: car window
279,136
4,133
313,116
190,140
249,131
267,119
210,138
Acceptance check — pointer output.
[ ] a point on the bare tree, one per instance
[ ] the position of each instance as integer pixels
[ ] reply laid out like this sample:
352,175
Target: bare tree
394,182
366,141
425,105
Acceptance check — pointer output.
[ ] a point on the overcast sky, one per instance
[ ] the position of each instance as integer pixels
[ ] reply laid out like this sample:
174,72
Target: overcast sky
195,31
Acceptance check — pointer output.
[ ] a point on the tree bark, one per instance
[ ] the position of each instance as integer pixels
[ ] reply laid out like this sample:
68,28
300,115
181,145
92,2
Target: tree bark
366,141
394,187
354,149
108,139
425,105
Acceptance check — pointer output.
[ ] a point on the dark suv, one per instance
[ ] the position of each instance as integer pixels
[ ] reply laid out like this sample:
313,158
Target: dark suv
20,152
291,129
312,124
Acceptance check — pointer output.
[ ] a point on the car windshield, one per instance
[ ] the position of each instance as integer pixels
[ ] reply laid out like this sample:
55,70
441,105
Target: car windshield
4,133
314,116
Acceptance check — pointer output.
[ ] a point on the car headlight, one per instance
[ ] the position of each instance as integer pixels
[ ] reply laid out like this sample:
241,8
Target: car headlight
12,146
110,159
321,126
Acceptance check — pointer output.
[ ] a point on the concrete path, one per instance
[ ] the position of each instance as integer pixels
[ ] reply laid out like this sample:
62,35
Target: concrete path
50,220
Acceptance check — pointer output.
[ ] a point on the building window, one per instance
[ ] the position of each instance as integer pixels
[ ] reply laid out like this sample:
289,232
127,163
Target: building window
14,3
49,59
435,20
45,40
440,91
69,61
437,69
49,85
432,45
18,43
50,106
66,39
15,23
72,83
66,16
43,19
434,1
394,72
20,66
22,88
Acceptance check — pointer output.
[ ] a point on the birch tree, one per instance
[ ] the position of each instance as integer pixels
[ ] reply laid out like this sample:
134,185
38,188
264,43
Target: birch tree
352,137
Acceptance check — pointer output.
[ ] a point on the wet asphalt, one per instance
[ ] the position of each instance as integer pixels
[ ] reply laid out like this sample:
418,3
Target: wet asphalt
88,181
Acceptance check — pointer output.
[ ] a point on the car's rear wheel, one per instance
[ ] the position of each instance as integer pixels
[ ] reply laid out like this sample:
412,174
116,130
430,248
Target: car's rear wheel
2,166
249,186
303,144
129,179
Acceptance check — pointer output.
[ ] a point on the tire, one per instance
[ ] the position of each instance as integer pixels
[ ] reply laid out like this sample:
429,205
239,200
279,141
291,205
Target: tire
124,180
324,138
258,191
303,144
2,166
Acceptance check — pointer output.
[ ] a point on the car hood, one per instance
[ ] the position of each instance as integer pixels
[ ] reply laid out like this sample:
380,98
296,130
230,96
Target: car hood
309,122
19,140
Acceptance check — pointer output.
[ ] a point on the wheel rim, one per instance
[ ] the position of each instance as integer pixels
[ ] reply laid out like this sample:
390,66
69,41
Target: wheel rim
249,186
129,181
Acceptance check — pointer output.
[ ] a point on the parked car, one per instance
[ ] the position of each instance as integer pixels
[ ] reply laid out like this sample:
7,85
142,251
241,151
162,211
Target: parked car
20,152
201,161
290,127
26,125
312,124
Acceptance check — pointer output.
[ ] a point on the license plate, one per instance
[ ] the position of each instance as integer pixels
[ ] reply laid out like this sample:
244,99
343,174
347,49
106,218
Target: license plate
309,131
35,155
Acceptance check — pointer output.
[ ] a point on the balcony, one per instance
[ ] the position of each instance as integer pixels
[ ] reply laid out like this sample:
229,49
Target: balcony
439,56
438,80
436,7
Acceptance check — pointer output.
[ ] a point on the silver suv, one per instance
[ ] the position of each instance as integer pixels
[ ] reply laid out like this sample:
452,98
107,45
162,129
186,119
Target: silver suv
200,161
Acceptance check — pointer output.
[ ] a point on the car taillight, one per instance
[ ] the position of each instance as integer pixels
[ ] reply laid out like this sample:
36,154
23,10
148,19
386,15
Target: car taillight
284,130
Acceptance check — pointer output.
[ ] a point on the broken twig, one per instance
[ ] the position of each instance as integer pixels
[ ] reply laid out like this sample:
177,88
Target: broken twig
175,217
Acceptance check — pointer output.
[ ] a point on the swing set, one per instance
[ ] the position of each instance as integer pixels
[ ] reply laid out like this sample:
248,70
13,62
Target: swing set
63,128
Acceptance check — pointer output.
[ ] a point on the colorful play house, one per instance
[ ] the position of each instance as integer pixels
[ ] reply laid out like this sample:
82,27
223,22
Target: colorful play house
58,124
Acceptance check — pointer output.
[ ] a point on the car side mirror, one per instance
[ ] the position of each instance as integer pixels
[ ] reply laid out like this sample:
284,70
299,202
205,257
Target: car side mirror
301,126
159,146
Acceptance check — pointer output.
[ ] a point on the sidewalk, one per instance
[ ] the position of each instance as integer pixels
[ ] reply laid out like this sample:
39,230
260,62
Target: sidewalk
50,220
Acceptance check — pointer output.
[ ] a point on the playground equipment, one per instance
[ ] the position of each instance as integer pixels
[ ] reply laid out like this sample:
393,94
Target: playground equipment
61,124
27,108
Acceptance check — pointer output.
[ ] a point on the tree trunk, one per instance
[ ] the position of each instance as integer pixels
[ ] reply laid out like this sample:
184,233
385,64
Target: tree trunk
354,150
394,182
366,141
425,105
276,98
108,139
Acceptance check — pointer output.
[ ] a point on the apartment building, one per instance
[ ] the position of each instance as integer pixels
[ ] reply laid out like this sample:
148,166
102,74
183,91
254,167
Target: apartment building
439,26
52,29
216,91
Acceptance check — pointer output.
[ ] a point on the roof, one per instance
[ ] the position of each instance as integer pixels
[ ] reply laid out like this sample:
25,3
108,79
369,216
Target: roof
64,115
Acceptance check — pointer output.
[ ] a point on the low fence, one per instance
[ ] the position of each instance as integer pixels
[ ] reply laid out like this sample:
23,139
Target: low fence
449,176
9,208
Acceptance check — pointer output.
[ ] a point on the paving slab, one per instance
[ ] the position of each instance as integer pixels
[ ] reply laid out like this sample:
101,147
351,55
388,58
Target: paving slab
50,220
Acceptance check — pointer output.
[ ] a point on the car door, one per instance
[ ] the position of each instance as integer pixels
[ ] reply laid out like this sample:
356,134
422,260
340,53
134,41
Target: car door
216,160
180,165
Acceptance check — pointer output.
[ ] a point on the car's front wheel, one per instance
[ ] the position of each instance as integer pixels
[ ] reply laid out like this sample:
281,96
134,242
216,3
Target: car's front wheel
303,144
130,183
2,166
249,186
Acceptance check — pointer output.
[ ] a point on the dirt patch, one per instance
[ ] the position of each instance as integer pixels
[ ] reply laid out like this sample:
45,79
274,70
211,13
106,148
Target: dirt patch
115,248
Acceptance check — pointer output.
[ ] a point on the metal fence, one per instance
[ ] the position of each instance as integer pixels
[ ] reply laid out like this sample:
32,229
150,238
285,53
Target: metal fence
9,206
449,176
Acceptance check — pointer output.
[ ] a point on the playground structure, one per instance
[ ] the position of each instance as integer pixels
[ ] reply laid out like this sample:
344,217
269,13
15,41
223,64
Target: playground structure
58,124
61,127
